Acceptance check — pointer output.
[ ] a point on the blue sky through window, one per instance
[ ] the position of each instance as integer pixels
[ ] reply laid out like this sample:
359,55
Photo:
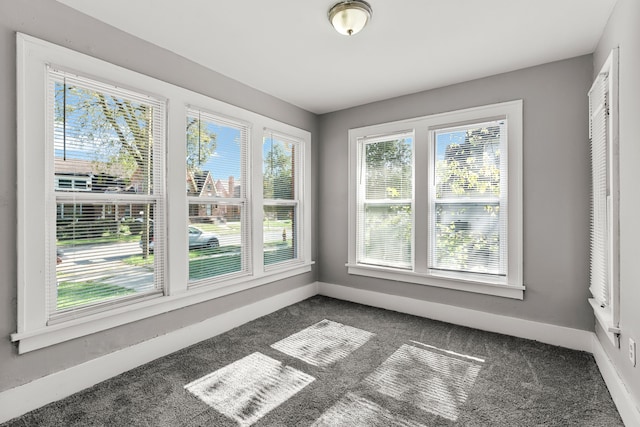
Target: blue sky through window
225,161
444,139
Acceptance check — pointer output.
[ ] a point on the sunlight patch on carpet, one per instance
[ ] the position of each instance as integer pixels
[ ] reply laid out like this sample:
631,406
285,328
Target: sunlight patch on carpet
323,343
356,411
434,382
249,388
453,353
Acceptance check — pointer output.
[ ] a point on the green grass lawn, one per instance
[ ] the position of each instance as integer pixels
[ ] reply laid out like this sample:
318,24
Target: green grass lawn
204,263
76,294
203,267
284,253
139,261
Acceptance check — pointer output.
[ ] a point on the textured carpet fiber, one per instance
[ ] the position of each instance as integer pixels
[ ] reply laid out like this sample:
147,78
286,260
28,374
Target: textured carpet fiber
325,362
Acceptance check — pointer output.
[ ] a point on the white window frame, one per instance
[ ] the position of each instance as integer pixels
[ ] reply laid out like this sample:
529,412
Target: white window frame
296,202
362,200
607,313
243,201
33,331
509,286
107,199
502,199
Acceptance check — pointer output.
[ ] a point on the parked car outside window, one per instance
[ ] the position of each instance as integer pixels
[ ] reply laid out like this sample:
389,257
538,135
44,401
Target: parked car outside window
198,239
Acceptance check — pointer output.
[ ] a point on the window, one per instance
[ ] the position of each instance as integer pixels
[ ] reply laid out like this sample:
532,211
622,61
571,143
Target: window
281,198
468,209
603,135
437,200
132,202
104,139
216,188
385,201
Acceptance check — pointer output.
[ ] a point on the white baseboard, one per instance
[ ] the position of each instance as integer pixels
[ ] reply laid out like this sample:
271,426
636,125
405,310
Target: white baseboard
624,401
22,399
575,339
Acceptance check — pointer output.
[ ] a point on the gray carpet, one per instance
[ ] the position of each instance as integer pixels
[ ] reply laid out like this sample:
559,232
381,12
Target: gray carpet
325,362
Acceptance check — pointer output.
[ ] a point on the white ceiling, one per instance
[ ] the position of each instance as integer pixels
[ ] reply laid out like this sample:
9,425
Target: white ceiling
288,49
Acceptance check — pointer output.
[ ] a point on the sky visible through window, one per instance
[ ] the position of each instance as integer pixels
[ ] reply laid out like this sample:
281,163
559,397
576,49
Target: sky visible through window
443,140
225,161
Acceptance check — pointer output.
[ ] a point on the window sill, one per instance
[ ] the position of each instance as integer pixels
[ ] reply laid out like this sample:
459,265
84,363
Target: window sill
604,318
462,282
82,326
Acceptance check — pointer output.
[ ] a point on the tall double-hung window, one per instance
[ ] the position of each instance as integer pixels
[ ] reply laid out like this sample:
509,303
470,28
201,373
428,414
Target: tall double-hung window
385,201
281,172
216,185
468,207
437,200
105,174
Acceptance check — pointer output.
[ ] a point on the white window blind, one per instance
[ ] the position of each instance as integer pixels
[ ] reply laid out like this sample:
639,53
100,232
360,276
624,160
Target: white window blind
604,246
468,210
598,133
385,201
218,230
281,156
107,179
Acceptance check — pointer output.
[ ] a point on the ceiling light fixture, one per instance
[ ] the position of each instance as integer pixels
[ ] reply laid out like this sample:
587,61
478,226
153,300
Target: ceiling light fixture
350,17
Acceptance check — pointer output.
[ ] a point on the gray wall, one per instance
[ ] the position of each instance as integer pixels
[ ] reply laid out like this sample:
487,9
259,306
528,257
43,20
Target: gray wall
623,30
54,22
556,189
556,180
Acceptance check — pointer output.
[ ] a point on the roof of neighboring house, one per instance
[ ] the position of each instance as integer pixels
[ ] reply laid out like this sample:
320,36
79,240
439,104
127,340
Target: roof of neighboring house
199,182
73,167
108,178
89,167
222,187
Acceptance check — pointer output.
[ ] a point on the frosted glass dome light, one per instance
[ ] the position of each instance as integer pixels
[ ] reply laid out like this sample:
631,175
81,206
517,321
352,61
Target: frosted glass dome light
350,17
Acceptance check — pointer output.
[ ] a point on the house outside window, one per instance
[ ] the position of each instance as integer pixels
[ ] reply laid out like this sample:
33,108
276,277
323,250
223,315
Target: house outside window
437,200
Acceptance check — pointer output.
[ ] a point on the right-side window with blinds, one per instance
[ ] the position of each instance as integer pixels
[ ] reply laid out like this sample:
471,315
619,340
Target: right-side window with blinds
468,204
604,195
